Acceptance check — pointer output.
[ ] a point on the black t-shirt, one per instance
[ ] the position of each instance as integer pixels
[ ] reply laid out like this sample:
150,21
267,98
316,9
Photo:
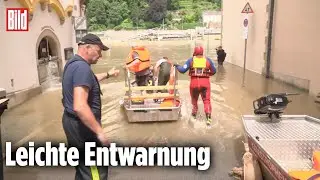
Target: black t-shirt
165,68
78,72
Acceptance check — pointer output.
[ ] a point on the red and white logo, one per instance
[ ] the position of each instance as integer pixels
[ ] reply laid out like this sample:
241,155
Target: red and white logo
17,19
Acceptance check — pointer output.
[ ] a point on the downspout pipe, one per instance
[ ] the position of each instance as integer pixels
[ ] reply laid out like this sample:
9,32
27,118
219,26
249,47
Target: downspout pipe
269,45
221,24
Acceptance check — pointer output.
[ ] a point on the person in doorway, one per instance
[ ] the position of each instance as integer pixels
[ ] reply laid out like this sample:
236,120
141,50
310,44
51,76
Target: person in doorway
221,54
162,72
200,69
82,103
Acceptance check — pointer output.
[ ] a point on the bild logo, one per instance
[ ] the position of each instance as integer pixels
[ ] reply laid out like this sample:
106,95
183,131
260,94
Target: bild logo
17,19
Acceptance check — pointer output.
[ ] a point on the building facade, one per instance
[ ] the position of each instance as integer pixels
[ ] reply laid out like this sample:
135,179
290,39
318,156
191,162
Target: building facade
283,45
211,19
33,60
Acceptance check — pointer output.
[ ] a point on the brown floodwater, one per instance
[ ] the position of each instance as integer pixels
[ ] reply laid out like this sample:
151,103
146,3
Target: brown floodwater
39,119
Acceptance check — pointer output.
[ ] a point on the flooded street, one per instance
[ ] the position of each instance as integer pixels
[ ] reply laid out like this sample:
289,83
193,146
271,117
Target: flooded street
39,119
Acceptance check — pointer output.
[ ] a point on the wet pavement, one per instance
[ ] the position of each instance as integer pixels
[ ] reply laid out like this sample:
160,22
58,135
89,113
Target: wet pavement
39,119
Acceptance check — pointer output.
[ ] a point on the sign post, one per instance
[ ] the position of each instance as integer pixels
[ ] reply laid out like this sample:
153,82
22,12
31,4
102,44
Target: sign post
246,10
80,26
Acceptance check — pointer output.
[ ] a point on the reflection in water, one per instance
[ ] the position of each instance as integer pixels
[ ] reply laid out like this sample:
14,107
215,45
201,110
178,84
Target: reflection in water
40,118
221,74
117,126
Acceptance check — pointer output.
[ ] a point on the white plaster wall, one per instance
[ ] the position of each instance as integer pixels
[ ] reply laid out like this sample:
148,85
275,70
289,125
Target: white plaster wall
214,18
75,13
20,48
65,3
233,41
296,41
3,63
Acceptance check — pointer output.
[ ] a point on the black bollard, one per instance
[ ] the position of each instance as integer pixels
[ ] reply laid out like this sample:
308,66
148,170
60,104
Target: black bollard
3,106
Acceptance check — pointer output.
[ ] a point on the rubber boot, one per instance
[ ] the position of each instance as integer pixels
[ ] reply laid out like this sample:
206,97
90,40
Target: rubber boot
209,120
194,116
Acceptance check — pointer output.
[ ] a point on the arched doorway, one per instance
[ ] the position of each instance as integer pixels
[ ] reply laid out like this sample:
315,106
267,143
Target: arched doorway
49,61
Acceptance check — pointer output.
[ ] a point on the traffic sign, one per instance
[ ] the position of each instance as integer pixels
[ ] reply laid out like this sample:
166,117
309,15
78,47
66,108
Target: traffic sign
80,23
246,26
247,9
245,22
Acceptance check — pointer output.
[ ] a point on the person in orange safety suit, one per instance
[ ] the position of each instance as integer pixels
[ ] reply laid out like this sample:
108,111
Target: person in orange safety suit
139,63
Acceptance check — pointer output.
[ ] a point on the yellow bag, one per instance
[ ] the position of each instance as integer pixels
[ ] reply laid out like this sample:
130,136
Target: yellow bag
305,175
313,174
316,160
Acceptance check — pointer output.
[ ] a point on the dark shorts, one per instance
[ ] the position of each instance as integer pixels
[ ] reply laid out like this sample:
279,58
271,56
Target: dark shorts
142,78
145,78
220,61
77,134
